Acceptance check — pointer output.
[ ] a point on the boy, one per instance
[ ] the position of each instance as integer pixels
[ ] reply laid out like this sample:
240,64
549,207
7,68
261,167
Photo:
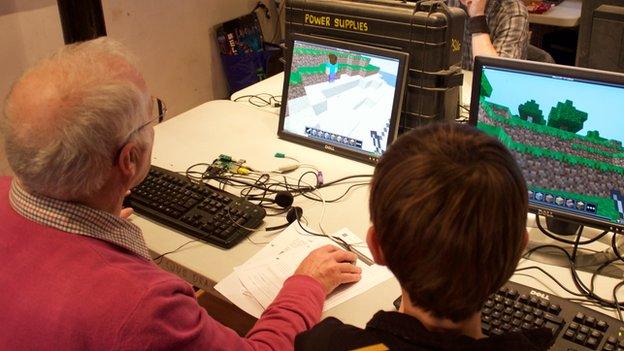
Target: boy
448,209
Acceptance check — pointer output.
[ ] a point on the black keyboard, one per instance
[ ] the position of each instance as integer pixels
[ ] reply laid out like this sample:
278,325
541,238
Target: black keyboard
201,211
574,327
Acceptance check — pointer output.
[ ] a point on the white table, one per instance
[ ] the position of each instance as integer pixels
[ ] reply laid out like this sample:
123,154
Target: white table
274,86
236,129
567,14
241,131
271,86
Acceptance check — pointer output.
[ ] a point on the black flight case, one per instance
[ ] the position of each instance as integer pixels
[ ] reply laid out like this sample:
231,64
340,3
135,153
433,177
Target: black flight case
430,31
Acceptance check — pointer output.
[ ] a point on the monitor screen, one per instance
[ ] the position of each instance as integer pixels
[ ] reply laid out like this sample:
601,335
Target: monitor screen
342,97
564,126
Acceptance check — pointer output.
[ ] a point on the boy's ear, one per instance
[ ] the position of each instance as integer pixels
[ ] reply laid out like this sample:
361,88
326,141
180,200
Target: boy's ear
373,246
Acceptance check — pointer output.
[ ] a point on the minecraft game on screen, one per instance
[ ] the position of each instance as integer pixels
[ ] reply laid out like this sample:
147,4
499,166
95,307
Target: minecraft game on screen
566,135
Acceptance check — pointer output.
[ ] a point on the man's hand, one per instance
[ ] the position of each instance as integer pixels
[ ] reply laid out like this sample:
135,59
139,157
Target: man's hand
126,211
331,267
475,7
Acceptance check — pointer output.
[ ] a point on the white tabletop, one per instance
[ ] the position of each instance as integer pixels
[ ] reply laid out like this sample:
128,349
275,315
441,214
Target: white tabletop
266,88
566,14
236,129
241,131
274,86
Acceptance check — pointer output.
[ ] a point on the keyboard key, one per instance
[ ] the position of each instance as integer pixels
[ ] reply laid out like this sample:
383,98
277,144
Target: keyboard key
538,313
569,334
596,334
539,322
602,325
592,343
554,328
529,318
554,309
497,331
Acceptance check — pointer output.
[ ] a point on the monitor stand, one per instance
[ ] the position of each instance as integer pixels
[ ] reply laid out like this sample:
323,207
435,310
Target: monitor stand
588,257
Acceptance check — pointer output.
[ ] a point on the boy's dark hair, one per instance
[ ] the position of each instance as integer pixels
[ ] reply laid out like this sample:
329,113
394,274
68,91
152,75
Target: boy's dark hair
449,206
332,59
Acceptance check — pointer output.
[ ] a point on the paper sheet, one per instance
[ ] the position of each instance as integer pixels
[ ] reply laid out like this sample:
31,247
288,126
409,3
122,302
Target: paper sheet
254,285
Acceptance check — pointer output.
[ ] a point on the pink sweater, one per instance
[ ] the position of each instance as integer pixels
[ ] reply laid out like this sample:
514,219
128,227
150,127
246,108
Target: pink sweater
62,291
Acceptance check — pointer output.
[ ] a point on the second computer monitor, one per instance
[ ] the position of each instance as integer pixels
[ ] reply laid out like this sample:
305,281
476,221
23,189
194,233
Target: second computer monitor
341,97
564,125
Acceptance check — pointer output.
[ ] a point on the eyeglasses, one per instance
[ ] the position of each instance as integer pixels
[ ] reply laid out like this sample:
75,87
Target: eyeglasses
158,110
158,114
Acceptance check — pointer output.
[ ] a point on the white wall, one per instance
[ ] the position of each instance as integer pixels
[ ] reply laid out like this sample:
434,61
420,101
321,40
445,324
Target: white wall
29,30
173,39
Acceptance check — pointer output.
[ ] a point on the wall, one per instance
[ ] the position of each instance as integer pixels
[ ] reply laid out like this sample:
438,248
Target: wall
29,29
174,41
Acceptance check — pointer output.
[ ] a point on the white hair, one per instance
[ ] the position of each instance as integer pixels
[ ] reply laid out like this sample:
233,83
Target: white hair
90,106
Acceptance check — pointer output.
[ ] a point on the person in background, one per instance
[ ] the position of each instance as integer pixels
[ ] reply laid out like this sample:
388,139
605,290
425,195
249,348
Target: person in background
448,207
494,28
76,274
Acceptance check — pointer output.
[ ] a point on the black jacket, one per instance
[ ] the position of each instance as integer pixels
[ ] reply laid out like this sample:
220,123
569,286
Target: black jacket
399,331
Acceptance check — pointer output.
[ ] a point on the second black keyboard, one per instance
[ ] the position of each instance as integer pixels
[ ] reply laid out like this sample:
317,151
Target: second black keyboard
199,210
574,327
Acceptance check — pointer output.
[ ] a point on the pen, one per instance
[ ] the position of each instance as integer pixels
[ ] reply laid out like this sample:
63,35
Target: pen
350,248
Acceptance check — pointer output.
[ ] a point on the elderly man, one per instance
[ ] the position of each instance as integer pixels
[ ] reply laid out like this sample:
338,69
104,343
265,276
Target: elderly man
75,273
494,28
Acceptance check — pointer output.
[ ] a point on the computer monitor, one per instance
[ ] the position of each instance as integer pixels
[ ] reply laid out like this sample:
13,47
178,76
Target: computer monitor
342,97
563,125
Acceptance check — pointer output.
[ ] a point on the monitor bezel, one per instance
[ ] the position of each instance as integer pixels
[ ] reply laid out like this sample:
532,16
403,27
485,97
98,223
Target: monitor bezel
571,72
330,147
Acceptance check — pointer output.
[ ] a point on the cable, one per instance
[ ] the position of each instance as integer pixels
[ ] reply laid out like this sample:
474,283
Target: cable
159,257
616,251
270,100
586,292
617,304
555,237
551,277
